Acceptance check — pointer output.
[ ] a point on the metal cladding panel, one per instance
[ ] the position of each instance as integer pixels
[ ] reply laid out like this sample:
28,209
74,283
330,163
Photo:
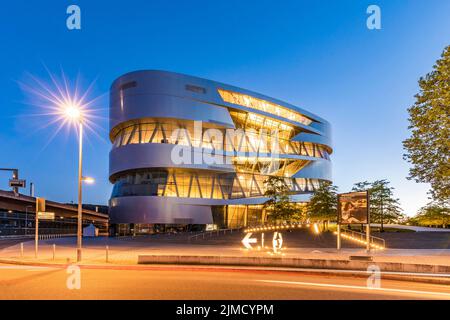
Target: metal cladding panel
158,210
154,82
135,107
156,155
313,138
318,169
323,127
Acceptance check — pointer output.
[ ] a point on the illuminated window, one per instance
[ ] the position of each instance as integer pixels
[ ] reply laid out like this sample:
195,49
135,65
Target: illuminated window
262,105
185,184
255,134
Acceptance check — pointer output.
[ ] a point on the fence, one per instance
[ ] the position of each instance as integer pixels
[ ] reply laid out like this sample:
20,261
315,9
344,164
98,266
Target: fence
205,234
41,236
375,242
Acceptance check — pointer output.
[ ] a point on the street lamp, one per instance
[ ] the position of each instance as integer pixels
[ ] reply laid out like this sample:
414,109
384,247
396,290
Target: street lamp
71,107
74,114
88,180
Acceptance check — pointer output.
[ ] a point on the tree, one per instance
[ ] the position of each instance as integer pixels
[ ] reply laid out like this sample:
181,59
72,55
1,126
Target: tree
428,147
384,208
323,204
300,214
433,214
279,204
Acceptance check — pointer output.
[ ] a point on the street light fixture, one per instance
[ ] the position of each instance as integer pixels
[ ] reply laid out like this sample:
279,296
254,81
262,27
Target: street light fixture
73,114
88,180
71,107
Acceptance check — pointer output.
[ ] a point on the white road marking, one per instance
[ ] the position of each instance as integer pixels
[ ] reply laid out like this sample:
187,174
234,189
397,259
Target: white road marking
341,286
26,268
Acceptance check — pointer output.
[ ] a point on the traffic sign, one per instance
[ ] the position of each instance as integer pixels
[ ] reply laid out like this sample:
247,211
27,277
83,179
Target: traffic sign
247,241
40,204
17,183
277,241
46,215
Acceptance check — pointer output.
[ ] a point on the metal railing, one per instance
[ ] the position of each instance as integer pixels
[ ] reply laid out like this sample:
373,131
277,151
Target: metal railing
375,242
206,234
54,236
41,236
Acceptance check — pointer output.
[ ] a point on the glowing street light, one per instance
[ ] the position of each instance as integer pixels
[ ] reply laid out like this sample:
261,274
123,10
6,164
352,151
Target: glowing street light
69,107
88,180
73,113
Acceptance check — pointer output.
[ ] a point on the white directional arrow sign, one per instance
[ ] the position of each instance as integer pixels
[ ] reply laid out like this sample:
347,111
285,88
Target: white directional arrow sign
247,240
277,241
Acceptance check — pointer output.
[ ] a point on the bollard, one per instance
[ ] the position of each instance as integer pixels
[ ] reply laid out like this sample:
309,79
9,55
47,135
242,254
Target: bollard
54,251
21,249
107,253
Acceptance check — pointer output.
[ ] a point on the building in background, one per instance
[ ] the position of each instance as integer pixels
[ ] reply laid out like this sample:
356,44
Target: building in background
193,152
18,214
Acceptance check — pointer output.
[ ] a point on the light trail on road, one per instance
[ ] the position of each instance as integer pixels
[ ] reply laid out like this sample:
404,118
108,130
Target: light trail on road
203,283
352,287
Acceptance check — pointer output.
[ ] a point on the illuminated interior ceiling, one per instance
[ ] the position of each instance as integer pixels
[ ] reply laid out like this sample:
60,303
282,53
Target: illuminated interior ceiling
247,120
273,167
161,132
262,105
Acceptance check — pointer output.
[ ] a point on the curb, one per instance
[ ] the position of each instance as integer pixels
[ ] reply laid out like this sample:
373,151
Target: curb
395,271
193,266
294,263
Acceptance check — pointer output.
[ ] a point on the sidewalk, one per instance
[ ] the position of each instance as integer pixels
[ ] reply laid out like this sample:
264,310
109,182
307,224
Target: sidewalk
127,252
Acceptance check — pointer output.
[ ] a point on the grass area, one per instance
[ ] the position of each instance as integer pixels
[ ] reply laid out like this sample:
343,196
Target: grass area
393,230
333,227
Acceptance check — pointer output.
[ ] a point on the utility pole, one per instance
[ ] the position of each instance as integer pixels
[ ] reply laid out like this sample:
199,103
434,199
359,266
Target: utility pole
15,183
80,181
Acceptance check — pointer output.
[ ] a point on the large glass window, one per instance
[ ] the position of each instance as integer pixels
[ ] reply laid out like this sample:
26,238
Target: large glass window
259,139
191,184
262,105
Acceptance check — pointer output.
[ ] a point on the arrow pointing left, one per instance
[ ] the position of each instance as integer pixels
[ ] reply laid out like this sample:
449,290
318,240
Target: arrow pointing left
247,240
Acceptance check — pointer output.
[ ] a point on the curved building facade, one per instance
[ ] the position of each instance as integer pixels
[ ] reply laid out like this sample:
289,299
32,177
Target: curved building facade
190,151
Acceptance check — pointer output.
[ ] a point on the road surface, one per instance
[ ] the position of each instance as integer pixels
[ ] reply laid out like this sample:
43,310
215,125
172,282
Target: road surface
177,282
5,243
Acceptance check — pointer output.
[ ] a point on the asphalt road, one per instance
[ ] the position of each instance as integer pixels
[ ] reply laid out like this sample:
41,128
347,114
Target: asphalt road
167,282
9,243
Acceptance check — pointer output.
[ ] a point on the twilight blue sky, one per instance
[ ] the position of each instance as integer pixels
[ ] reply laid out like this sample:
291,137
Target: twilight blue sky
316,54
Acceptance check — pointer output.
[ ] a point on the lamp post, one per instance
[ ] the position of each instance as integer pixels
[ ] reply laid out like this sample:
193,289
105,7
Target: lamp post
80,180
70,108
73,113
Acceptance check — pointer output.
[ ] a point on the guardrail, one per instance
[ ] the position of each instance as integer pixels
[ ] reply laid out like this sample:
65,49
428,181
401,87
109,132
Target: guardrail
41,236
55,236
375,242
205,234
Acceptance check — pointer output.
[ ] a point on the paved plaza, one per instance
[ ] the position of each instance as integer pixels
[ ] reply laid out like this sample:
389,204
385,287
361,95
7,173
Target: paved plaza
298,244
